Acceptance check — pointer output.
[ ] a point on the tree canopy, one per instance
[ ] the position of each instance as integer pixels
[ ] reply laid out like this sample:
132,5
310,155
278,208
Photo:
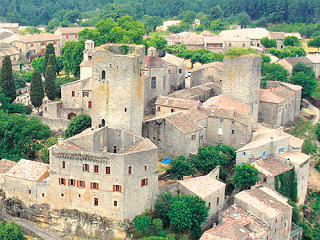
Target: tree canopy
245,175
268,43
180,167
308,83
49,51
11,231
49,84
78,124
36,89
7,82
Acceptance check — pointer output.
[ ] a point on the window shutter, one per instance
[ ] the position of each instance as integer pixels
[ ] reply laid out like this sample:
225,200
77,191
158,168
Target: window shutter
114,188
120,188
91,185
59,181
77,183
64,182
84,184
142,183
146,181
97,186
68,182
87,94
82,167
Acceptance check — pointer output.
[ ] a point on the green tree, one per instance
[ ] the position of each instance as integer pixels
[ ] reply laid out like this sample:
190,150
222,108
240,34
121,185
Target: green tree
53,62
180,216
206,159
215,13
307,83
315,42
243,19
37,63
261,22
291,41
142,222
218,25
11,231
162,207
244,176
44,152
36,89
301,67
180,167
73,55
49,83
157,224
189,17
7,82
78,124
151,22
268,43
274,72
49,51
59,61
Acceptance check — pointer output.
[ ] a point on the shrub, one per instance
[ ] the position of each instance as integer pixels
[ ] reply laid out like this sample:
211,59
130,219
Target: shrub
142,222
171,236
157,224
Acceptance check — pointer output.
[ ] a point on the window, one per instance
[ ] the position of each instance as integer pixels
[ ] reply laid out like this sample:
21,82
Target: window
45,109
89,104
220,131
172,110
243,154
67,37
180,71
243,45
153,82
114,149
76,36
193,137
63,164
264,154
130,170
258,45
96,201
81,184
85,94
116,188
85,167
42,51
60,106
144,182
221,120
209,204
29,191
217,200
264,180
230,44
71,182
32,45
276,221
95,168
62,181
108,170
145,168
73,93
115,203
54,42
281,150
62,195
42,194
232,131
158,109
103,74
94,185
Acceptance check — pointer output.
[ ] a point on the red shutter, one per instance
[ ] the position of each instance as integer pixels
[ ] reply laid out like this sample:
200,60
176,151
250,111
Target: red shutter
91,185
146,181
77,183
59,181
68,182
114,188
120,188
87,94
64,182
97,186
142,183
82,94
89,104
84,184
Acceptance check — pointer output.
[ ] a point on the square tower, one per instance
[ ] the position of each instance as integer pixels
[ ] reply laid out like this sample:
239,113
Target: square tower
241,80
117,86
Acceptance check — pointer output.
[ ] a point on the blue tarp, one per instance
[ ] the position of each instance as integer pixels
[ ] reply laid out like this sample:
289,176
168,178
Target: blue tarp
167,160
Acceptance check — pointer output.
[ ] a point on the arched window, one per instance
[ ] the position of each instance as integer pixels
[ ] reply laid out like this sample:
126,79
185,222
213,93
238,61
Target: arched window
103,123
103,74
71,115
153,82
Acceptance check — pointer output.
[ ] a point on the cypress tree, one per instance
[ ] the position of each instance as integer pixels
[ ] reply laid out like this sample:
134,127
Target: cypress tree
36,89
52,61
49,51
7,82
49,83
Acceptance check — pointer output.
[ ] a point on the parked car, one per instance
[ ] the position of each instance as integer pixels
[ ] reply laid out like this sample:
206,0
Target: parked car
188,74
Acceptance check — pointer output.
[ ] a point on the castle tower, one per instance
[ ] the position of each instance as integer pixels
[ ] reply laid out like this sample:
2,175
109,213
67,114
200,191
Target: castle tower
86,64
241,80
118,87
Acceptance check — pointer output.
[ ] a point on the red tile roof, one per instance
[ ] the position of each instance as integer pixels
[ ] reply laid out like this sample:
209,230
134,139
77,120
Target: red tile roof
38,38
267,95
6,165
72,30
283,92
177,102
157,62
271,167
226,231
29,170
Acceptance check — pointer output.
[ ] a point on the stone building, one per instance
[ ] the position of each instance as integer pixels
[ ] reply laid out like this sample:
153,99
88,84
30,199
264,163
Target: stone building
157,82
28,181
289,62
241,80
177,70
86,64
229,121
279,103
211,72
68,34
105,171
276,145
279,36
14,27
165,104
177,133
32,46
5,166
7,49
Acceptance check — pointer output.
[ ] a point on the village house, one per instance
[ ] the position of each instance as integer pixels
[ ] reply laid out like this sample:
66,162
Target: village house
210,72
86,64
14,27
289,62
167,24
279,36
177,133
5,166
68,34
213,42
15,65
104,171
176,70
7,49
166,104
28,181
279,103
280,146
315,59
32,46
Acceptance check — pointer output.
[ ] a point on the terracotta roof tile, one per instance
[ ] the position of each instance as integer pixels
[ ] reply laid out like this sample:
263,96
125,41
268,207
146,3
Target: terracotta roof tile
226,231
177,102
29,170
202,186
271,167
72,30
6,165
38,38
173,60
184,121
69,145
296,158
156,62
140,146
283,92
267,95
292,86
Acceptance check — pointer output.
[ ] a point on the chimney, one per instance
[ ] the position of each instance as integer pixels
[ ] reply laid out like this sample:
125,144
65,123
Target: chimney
60,141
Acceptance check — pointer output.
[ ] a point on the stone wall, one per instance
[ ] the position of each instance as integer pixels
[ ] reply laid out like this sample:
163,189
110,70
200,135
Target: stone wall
55,124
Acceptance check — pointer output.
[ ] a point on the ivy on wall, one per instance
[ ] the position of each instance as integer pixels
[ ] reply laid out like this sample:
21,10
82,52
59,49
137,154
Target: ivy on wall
286,184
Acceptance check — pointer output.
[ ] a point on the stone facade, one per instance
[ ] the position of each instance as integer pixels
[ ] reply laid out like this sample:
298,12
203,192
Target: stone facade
105,172
211,72
241,80
177,70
